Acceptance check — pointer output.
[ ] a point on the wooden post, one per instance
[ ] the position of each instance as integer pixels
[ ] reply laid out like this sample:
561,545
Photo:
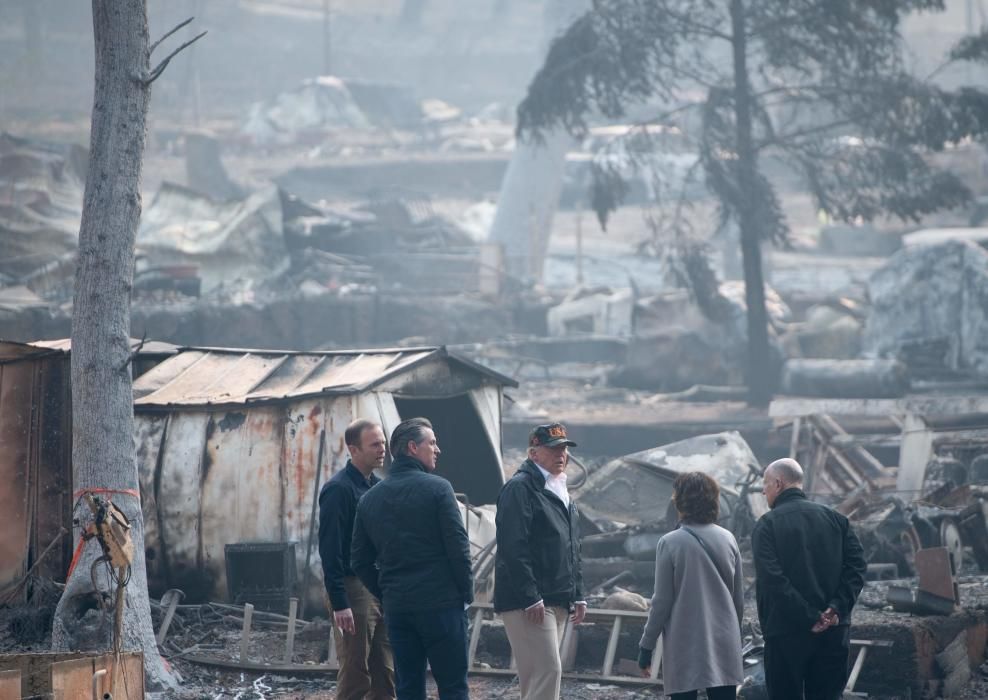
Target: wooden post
653,672
478,623
312,520
856,671
612,647
290,644
245,635
173,595
797,425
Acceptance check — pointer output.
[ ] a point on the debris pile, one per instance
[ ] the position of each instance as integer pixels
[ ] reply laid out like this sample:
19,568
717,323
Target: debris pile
930,309
627,504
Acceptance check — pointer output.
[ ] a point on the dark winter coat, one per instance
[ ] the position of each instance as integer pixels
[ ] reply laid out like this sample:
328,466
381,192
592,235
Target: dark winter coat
410,547
337,509
538,545
807,558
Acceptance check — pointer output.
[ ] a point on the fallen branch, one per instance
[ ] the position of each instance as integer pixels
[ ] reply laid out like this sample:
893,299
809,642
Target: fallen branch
283,669
257,614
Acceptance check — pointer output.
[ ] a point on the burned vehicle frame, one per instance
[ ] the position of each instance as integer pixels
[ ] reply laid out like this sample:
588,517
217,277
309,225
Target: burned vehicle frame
626,504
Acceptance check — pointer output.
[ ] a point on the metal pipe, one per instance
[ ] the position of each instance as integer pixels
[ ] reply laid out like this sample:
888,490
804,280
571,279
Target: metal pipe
96,676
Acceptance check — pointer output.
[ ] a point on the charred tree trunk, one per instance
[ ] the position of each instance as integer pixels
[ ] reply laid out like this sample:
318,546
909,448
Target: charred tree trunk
759,373
102,397
529,196
527,203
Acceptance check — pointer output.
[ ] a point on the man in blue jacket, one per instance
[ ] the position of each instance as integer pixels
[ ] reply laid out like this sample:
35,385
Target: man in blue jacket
362,647
809,569
410,549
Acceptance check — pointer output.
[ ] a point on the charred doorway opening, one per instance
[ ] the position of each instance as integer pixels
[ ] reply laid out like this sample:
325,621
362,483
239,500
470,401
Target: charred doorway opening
468,460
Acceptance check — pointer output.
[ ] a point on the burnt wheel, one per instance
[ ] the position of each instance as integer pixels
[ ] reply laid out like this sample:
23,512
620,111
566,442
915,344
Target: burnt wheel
950,537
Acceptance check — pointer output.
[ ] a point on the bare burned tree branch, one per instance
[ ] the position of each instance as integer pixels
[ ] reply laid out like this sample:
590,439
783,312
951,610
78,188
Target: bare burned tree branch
168,34
136,351
160,68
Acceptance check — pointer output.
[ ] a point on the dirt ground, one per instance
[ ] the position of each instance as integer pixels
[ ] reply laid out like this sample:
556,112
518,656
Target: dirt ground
271,687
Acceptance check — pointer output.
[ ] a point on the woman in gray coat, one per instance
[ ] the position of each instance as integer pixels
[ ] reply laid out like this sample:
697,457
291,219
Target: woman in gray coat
698,603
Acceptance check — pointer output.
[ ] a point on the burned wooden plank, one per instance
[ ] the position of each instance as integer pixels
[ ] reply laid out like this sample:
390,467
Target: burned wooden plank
10,685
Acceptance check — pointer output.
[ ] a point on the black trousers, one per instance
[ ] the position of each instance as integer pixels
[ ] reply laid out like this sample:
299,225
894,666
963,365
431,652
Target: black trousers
438,637
721,692
807,665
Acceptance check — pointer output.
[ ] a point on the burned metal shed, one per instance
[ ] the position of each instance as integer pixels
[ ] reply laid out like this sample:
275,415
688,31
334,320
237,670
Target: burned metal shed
35,459
36,454
228,442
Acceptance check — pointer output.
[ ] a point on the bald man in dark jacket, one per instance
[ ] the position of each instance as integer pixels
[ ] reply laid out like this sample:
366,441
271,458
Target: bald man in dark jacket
809,569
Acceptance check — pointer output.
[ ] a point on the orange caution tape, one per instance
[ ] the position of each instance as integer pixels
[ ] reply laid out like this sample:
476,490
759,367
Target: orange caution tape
75,557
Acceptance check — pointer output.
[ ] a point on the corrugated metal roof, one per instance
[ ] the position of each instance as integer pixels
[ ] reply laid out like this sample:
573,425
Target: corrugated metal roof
11,351
150,347
224,376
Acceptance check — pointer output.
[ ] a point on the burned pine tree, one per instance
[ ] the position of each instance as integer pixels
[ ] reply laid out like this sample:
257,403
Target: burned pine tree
529,195
102,398
819,85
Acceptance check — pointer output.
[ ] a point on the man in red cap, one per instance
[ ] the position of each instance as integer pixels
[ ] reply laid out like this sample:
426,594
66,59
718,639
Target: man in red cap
537,578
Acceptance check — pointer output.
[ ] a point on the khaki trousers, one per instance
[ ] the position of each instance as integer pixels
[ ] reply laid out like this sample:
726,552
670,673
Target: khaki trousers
367,669
536,651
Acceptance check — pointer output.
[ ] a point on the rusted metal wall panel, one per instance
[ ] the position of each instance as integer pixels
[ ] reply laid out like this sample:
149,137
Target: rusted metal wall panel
52,442
16,470
35,465
243,475
230,475
241,491
301,455
257,474
149,433
178,502
238,476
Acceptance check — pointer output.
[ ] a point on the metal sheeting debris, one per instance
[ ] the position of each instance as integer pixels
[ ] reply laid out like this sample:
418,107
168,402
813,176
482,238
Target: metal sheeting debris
41,186
636,489
226,240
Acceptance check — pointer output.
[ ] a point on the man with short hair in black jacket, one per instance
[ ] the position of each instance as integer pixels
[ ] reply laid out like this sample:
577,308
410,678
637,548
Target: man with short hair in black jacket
362,647
809,570
537,576
410,549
